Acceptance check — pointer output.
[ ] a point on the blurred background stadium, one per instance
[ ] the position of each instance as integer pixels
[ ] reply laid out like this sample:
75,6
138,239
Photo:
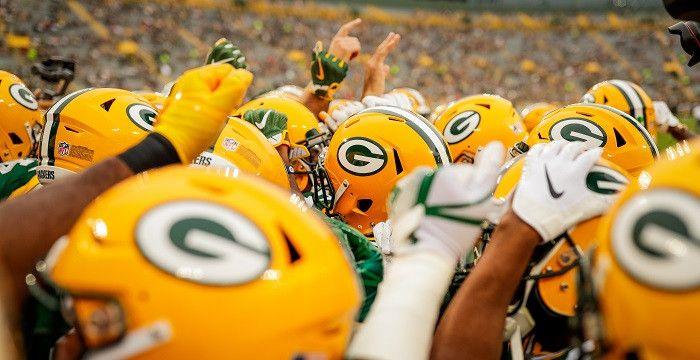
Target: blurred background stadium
527,51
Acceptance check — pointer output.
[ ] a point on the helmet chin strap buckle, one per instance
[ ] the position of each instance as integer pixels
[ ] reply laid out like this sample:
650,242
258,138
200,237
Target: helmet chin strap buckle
135,342
341,190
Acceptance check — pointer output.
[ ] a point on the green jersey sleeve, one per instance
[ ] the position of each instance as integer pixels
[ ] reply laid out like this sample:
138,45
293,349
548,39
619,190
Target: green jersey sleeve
15,174
366,258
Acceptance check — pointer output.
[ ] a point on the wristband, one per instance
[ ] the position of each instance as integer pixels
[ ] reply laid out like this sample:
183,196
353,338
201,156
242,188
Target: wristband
152,152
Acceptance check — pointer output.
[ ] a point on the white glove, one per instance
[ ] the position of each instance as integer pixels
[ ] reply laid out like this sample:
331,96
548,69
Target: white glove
552,195
391,99
382,237
442,211
339,115
664,116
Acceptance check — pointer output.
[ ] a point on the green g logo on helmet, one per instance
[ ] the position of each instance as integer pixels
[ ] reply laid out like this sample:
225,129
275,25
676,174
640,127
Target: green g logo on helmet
203,242
461,126
23,96
574,129
656,239
361,156
606,181
142,115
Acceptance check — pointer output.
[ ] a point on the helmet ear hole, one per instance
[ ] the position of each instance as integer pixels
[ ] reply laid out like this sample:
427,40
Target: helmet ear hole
397,160
619,140
364,204
107,104
16,140
293,252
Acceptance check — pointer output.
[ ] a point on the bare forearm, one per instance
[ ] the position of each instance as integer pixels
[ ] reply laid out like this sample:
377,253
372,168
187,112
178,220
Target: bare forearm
314,103
32,223
472,326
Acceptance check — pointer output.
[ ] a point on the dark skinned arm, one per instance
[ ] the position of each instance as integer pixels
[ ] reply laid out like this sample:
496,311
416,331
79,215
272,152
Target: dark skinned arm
39,218
472,326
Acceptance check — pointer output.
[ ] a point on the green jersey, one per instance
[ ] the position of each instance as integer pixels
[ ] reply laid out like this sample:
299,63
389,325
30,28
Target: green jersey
16,174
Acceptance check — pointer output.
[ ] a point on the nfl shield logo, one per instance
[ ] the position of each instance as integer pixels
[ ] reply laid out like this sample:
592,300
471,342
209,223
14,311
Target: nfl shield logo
63,148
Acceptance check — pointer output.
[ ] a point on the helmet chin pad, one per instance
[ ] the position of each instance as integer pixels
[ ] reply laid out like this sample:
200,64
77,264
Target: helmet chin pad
47,174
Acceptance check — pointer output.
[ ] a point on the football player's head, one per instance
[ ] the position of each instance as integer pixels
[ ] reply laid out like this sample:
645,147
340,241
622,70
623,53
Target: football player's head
418,103
470,123
283,119
241,146
185,263
533,113
90,125
550,292
624,140
368,154
645,276
627,97
20,119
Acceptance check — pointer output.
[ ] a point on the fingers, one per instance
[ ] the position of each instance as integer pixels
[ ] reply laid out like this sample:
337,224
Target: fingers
536,150
572,150
488,162
553,148
589,157
348,27
387,45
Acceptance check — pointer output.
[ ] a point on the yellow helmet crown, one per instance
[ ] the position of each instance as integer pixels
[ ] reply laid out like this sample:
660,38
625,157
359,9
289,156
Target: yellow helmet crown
89,125
20,118
370,152
472,122
533,113
624,141
646,268
627,97
193,264
241,146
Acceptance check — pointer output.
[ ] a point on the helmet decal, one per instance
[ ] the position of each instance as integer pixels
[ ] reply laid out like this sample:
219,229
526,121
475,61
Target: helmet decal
656,239
461,126
645,134
361,156
575,129
142,115
606,181
203,242
52,118
23,96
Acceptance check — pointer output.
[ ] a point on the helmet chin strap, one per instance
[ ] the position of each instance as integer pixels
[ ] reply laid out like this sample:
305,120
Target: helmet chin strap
341,190
135,342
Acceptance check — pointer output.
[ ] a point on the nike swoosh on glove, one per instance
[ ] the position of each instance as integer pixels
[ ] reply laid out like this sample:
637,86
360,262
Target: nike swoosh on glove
442,211
552,195
198,106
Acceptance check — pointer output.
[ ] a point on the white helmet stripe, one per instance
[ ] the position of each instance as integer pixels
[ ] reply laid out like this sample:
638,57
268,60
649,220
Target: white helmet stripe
431,136
633,99
49,131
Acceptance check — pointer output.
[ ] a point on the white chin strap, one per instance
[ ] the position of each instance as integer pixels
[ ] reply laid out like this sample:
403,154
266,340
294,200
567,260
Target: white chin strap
135,342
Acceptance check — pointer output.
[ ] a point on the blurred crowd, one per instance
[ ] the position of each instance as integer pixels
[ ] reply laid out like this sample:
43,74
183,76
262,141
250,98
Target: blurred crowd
150,43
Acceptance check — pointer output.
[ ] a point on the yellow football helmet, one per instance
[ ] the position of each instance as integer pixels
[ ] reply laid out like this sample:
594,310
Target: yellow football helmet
472,122
550,291
533,113
624,141
367,155
292,92
156,99
418,102
241,146
303,132
20,119
627,97
645,281
90,125
164,265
